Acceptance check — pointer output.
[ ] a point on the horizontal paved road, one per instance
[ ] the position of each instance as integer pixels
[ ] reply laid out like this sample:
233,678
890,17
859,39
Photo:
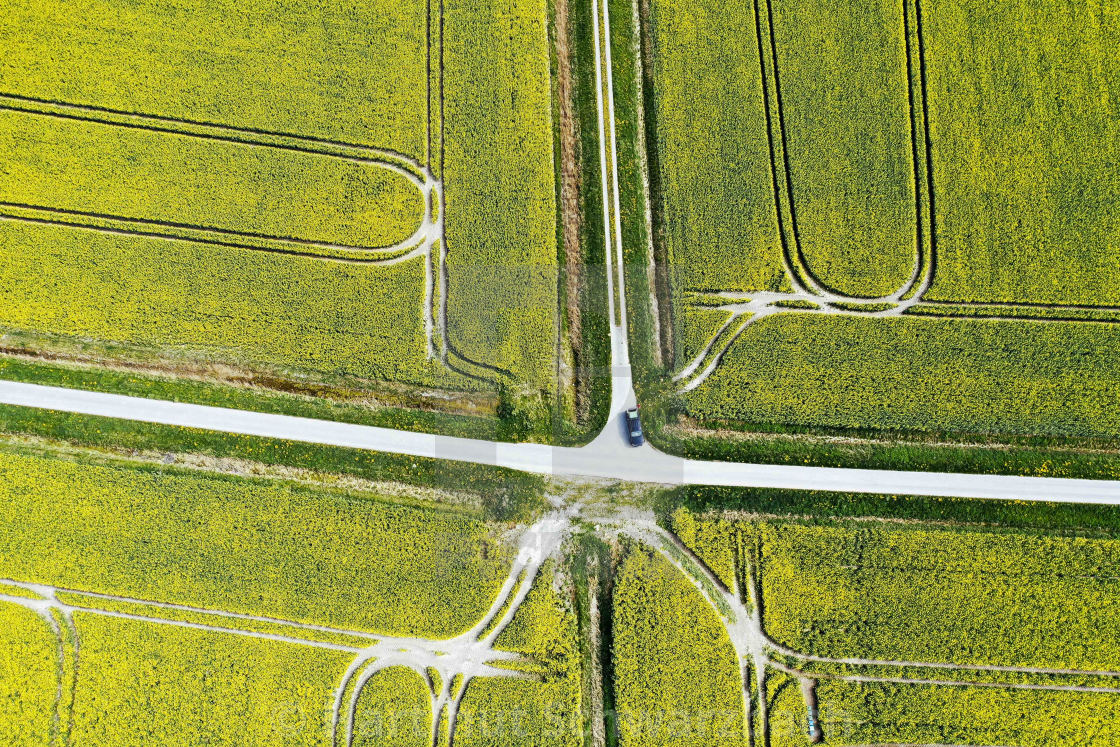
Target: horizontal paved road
608,456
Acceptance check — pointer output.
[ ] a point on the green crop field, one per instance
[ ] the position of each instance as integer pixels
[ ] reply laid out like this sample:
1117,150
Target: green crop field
674,669
895,632
893,160
358,195
145,604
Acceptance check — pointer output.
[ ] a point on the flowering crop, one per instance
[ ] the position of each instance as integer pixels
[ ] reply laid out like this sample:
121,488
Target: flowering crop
1027,152
151,151
719,215
919,594
158,684
106,169
544,712
500,192
843,84
674,668
245,546
27,676
914,714
948,375
342,71
394,710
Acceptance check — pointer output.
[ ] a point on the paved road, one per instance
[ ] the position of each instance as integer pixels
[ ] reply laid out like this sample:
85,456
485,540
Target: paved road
607,456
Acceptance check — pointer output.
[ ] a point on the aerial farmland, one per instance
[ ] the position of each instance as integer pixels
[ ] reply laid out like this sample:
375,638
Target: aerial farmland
559,373
283,198
902,219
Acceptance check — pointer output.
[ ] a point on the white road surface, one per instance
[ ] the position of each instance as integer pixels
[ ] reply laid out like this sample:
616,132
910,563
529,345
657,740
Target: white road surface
608,456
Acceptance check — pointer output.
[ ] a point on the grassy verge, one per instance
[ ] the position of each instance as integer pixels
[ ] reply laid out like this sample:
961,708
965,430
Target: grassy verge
505,494
312,402
591,359
813,506
634,121
1043,457
592,570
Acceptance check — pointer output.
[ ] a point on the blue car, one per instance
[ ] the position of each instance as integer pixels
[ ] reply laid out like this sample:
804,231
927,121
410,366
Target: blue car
814,731
634,427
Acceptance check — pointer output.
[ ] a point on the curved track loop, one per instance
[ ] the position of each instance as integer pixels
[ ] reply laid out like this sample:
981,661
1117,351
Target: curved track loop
468,655
422,243
804,281
471,654
809,289
411,170
755,649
